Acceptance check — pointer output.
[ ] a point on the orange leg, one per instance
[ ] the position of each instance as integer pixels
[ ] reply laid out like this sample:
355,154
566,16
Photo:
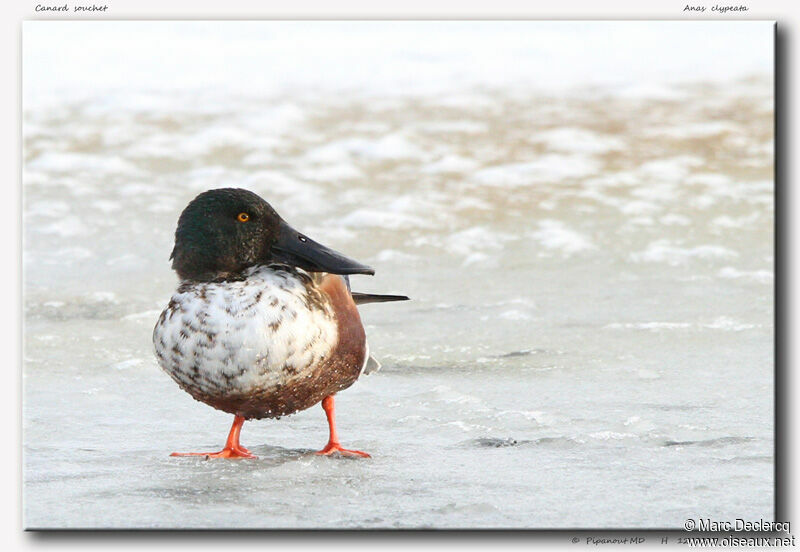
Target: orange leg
333,442
232,447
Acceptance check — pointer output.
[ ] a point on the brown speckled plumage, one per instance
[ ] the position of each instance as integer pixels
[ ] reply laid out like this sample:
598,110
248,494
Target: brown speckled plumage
290,363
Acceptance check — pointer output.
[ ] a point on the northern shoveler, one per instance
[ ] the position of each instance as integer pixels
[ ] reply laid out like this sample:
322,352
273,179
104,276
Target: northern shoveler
263,323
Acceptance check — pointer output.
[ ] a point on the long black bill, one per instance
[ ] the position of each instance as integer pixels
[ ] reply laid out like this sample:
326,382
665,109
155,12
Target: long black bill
296,249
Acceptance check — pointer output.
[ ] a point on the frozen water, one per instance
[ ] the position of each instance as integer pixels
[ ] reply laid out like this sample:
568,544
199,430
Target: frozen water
590,257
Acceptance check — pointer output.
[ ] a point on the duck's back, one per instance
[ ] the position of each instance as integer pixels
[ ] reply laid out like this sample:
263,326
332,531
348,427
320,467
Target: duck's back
268,345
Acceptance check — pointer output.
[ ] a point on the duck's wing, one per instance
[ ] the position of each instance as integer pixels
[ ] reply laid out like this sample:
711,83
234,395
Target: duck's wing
364,298
358,297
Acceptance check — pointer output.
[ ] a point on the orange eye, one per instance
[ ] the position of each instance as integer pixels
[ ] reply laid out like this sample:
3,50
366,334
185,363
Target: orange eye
243,217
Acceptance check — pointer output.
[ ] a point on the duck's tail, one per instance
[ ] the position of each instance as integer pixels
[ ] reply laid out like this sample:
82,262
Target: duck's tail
371,364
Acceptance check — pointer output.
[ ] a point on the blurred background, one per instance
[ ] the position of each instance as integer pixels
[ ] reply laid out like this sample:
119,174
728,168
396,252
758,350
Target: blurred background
582,213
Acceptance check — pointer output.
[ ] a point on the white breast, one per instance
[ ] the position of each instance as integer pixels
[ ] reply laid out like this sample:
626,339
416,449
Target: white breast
237,337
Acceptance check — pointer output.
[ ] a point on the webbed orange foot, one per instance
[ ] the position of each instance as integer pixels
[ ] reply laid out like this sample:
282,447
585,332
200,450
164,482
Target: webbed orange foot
333,448
232,447
333,445
240,452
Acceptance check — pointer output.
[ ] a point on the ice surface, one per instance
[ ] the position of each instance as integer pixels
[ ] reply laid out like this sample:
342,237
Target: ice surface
586,239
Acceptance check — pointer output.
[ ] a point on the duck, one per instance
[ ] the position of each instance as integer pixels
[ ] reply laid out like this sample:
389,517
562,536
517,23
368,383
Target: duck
263,323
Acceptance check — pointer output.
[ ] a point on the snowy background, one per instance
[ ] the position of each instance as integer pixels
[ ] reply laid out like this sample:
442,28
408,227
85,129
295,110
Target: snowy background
582,213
